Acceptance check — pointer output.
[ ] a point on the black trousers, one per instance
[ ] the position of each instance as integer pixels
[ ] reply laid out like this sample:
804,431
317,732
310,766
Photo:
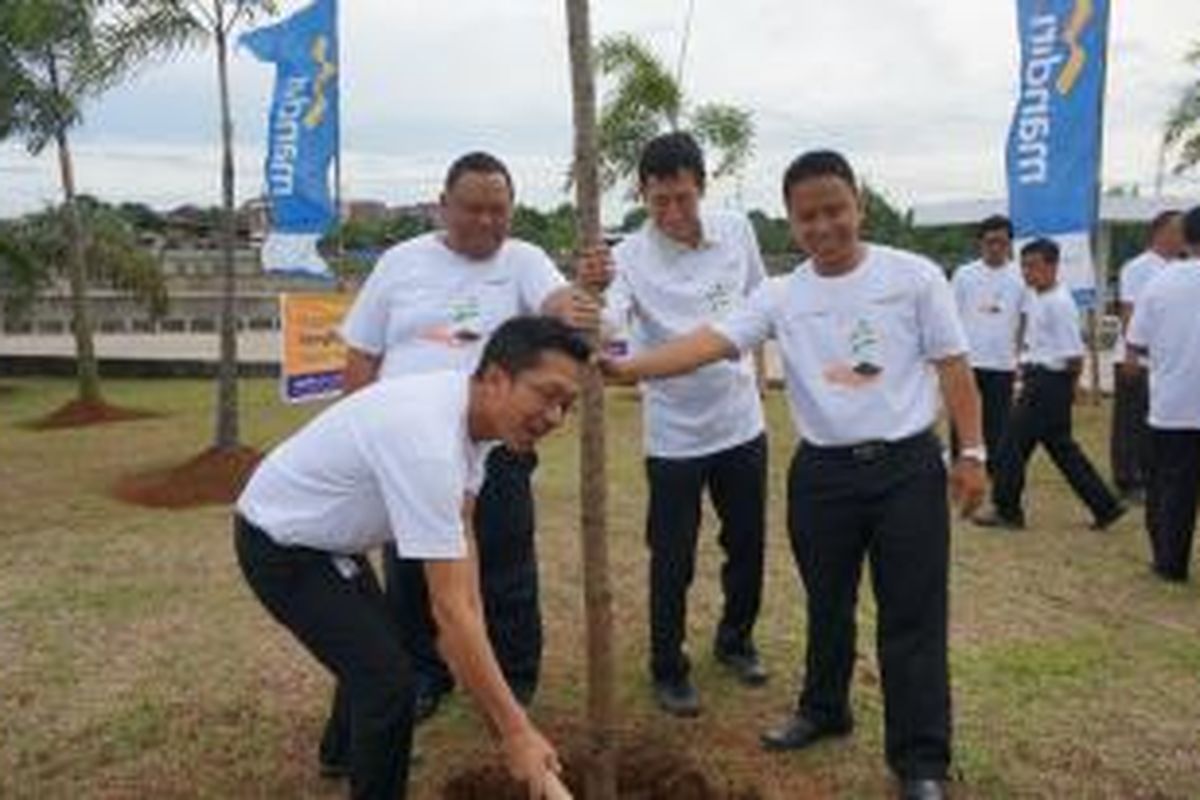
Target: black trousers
1171,499
345,623
504,529
996,395
1129,437
1042,415
886,502
736,480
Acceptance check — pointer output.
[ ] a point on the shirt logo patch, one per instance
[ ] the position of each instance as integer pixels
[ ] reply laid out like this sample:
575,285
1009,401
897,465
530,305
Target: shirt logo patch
864,367
719,297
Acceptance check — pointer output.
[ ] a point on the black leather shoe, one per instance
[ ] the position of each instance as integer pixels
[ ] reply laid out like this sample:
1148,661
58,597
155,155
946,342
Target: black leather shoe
799,732
745,666
678,698
922,789
1000,521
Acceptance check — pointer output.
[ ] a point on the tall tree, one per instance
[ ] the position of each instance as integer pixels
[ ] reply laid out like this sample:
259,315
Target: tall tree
146,27
647,100
1182,131
51,60
601,778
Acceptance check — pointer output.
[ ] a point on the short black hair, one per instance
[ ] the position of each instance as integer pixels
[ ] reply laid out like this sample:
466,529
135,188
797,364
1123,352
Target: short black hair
1162,219
667,155
818,164
518,344
1046,248
1191,227
996,222
477,161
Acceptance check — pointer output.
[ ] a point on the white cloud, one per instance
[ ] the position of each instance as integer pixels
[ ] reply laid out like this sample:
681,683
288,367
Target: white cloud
917,92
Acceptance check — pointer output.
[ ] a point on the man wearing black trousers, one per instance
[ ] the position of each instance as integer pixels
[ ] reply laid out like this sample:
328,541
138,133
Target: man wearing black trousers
1129,435
1166,331
868,334
428,305
989,293
1052,361
701,431
402,460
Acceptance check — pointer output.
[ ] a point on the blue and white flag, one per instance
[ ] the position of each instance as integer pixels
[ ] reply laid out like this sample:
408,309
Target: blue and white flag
303,133
1054,143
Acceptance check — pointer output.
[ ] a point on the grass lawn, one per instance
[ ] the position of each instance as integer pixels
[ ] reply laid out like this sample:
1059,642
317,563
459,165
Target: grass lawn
135,663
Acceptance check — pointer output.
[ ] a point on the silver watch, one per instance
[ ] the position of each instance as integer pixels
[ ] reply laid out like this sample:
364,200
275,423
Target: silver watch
977,453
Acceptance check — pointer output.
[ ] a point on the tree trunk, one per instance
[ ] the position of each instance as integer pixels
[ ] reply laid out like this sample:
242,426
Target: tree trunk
601,779
86,369
227,436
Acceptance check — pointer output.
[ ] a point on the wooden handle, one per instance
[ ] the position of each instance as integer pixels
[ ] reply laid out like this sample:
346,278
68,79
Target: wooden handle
555,790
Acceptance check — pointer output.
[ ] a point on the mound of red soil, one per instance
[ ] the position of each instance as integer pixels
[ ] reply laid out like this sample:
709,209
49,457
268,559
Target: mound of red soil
214,477
644,772
79,413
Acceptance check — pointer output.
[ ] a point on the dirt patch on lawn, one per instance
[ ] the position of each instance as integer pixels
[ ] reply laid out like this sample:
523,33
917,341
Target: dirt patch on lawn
81,413
215,477
645,771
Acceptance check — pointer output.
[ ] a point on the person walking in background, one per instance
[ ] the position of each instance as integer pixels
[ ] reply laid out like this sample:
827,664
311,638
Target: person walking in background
1051,363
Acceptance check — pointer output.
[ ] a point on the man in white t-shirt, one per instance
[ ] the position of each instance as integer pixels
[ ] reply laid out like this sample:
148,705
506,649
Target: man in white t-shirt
402,461
428,305
867,335
1051,363
703,430
1165,329
989,293
1128,436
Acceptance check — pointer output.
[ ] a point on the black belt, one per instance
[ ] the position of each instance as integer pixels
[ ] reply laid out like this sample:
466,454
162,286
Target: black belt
873,450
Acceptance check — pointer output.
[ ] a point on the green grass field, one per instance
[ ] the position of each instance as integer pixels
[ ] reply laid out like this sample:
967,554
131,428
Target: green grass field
135,663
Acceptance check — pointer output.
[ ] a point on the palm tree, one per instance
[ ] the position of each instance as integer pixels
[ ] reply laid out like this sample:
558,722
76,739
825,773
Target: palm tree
1182,131
647,100
50,62
602,773
148,27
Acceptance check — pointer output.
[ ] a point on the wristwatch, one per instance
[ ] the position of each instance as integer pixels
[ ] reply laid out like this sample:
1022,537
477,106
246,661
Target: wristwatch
977,453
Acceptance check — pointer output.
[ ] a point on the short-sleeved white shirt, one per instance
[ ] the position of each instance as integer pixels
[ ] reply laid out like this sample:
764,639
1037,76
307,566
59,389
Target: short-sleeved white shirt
1166,322
1135,275
1052,335
858,348
426,307
663,290
394,460
989,304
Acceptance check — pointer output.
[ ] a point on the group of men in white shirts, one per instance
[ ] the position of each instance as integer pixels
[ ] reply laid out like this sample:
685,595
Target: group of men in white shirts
1024,318
453,383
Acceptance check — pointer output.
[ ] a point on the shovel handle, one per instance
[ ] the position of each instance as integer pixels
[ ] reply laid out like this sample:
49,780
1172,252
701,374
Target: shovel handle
555,790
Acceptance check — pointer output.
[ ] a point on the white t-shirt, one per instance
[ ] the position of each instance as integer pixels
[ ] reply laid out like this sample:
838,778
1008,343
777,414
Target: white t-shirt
989,304
1166,322
663,290
859,348
1052,335
1134,276
425,307
394,459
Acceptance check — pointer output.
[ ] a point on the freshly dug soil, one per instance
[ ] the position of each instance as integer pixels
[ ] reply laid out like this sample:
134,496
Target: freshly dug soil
644,772
215,477
79,413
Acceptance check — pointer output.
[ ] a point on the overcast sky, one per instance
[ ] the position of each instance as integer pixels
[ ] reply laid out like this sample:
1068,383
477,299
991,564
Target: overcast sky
917,92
